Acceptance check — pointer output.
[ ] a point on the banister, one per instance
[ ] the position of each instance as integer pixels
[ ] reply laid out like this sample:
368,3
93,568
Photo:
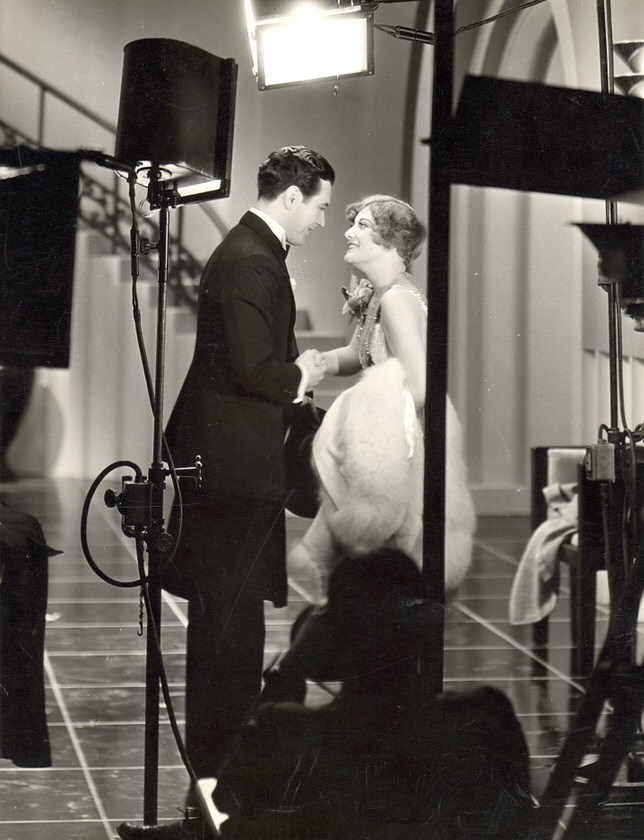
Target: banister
45,87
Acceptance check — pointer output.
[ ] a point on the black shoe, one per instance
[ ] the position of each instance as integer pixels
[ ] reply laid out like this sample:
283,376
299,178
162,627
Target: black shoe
192,827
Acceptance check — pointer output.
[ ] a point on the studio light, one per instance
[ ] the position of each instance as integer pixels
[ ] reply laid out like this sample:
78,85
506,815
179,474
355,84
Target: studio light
295,42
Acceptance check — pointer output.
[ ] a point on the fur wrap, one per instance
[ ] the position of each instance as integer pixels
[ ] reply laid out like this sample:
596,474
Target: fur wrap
369,457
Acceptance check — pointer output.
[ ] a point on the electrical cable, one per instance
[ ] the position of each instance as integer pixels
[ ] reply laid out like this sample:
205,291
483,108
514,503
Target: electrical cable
631,524
405,33
468,26
136,314
163,678
84,516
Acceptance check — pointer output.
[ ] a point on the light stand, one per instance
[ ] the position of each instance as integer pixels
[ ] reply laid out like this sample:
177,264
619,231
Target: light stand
158,540
141,502
616,677
175,130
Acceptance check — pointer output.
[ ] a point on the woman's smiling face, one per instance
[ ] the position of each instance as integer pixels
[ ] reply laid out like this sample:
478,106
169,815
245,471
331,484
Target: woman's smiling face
363,247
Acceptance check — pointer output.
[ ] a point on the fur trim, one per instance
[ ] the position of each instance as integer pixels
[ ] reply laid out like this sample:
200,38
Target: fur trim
460,517
372,481
361,456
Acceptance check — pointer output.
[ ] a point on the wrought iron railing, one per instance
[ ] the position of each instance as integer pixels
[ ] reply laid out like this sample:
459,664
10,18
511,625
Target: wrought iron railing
104,205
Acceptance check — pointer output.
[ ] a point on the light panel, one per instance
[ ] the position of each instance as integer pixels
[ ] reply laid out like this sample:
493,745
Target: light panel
311,44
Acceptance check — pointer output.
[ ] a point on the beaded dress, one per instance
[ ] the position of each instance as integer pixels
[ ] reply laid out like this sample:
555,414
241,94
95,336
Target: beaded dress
373,350
372,342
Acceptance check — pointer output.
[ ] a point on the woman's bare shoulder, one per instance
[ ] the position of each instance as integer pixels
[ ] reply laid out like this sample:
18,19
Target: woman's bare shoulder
404,293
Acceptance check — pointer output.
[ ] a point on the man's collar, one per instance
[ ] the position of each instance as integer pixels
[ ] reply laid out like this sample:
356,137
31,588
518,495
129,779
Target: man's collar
276,227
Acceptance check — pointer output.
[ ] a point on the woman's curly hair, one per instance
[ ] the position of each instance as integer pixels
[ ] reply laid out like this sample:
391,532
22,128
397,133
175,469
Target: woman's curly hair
396,224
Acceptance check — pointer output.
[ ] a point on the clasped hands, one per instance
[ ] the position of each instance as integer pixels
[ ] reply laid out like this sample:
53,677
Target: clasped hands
315,365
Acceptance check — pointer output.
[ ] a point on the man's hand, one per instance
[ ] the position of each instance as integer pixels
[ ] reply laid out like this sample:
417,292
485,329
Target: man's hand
315,365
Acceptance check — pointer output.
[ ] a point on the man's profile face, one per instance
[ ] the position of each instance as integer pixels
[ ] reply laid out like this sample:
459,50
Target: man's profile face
307,214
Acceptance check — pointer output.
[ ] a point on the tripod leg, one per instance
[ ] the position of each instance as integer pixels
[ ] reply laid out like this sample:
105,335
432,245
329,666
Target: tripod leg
575,747
614,749
615,678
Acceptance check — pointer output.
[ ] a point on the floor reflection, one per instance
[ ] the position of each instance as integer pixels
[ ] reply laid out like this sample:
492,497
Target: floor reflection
95,675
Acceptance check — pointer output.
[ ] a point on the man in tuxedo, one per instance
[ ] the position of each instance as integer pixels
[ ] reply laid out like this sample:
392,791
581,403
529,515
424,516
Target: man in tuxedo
244,382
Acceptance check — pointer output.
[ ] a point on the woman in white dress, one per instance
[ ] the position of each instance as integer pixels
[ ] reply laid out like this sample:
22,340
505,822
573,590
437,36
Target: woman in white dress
369,452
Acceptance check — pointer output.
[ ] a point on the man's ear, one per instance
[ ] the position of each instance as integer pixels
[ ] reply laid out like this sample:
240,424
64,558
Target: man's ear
292,196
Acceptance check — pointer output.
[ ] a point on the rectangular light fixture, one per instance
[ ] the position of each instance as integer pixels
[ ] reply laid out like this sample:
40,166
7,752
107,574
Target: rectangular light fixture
311,42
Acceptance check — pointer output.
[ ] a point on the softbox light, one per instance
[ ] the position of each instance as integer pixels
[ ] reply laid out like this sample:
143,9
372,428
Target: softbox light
296,42
176,114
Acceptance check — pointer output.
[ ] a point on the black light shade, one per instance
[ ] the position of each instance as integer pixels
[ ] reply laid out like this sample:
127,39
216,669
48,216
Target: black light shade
38,216
541,138
177,111
621,260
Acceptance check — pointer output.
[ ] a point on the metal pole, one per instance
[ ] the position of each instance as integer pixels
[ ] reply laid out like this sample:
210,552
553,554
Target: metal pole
156,535
432,661
604,28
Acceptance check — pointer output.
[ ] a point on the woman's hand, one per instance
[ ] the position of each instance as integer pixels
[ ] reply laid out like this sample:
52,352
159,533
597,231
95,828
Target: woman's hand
331,362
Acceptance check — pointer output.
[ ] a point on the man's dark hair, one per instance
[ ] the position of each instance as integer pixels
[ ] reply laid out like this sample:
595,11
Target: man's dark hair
293,166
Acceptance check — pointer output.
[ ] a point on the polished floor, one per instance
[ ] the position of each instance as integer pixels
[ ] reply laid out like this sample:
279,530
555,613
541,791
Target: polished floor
95,673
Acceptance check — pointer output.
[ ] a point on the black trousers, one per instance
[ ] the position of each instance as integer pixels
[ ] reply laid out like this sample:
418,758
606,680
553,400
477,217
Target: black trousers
224,663
230,555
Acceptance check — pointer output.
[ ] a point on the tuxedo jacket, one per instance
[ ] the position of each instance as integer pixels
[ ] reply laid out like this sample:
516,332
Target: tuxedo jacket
236,398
